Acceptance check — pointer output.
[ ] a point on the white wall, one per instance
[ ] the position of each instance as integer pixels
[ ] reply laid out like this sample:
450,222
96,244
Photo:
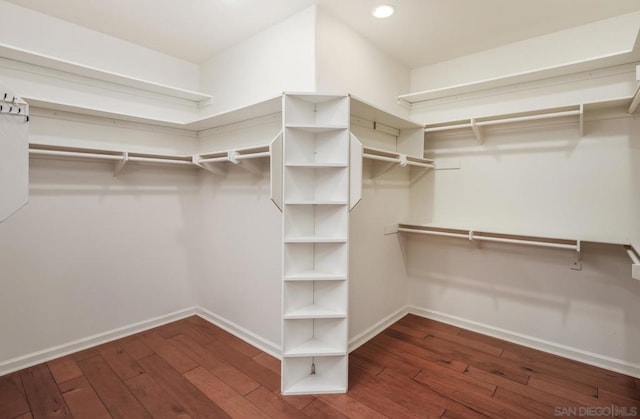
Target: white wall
377,278
535,179
530,295
241,231
596,42
539,179
92,252
241,247
349,63
280,58
36,32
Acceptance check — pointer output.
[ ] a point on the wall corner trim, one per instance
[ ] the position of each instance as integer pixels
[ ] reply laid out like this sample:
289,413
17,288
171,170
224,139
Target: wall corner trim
370,332
240,332
569,352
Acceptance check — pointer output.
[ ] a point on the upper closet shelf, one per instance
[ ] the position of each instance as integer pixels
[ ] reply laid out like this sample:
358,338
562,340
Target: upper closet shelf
31,57
619,57
379,119
257,110
578,111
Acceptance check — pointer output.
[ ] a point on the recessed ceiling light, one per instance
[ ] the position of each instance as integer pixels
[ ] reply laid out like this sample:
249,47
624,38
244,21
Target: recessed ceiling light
382,11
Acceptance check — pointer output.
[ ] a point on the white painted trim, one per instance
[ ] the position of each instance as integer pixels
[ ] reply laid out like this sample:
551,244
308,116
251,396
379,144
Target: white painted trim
251,338
355,342
54,352
569,352
369,333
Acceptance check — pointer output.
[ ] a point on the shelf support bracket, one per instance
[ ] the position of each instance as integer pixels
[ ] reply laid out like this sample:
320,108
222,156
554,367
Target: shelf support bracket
476,130
581,126
216,170
120,164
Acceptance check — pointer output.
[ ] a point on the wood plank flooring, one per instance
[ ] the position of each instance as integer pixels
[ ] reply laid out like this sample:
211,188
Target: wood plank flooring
417,368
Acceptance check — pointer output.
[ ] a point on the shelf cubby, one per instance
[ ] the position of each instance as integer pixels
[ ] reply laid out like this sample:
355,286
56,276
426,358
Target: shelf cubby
315,223
315,337
316,110
318,375
315,260
316,185
323,149
315,299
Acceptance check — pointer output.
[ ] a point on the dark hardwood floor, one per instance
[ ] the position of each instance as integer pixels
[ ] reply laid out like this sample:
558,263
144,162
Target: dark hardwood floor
416,368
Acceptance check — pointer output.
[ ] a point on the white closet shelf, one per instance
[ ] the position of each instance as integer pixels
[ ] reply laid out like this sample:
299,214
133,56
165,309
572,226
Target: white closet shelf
316,202
216,162
317,164
314,311
315,276
370,114
122,157
617,58
262,109
471,235
315,347
317,128
315,384
101,154
315,239
475,124
395,157
43,60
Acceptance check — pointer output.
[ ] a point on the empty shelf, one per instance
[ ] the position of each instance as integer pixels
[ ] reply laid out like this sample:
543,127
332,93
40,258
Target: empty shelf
315,128
315,347
316,276
316,384
315,239
315,312
317,165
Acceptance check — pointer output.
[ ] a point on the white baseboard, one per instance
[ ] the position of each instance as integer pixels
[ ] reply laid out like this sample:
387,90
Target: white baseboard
532,342
251,338
369,333
16,364
355,342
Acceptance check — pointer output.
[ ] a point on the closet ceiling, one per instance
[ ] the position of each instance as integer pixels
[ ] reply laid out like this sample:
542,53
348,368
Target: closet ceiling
421,32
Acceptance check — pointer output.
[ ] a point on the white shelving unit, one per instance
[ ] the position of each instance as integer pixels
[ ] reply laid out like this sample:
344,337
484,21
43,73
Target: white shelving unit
315,243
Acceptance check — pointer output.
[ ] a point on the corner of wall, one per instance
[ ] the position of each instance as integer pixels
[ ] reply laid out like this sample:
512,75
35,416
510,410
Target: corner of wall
342,54
38,33
282,58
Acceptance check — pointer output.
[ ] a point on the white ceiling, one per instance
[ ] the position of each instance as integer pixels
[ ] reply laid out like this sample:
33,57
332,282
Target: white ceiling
421,32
